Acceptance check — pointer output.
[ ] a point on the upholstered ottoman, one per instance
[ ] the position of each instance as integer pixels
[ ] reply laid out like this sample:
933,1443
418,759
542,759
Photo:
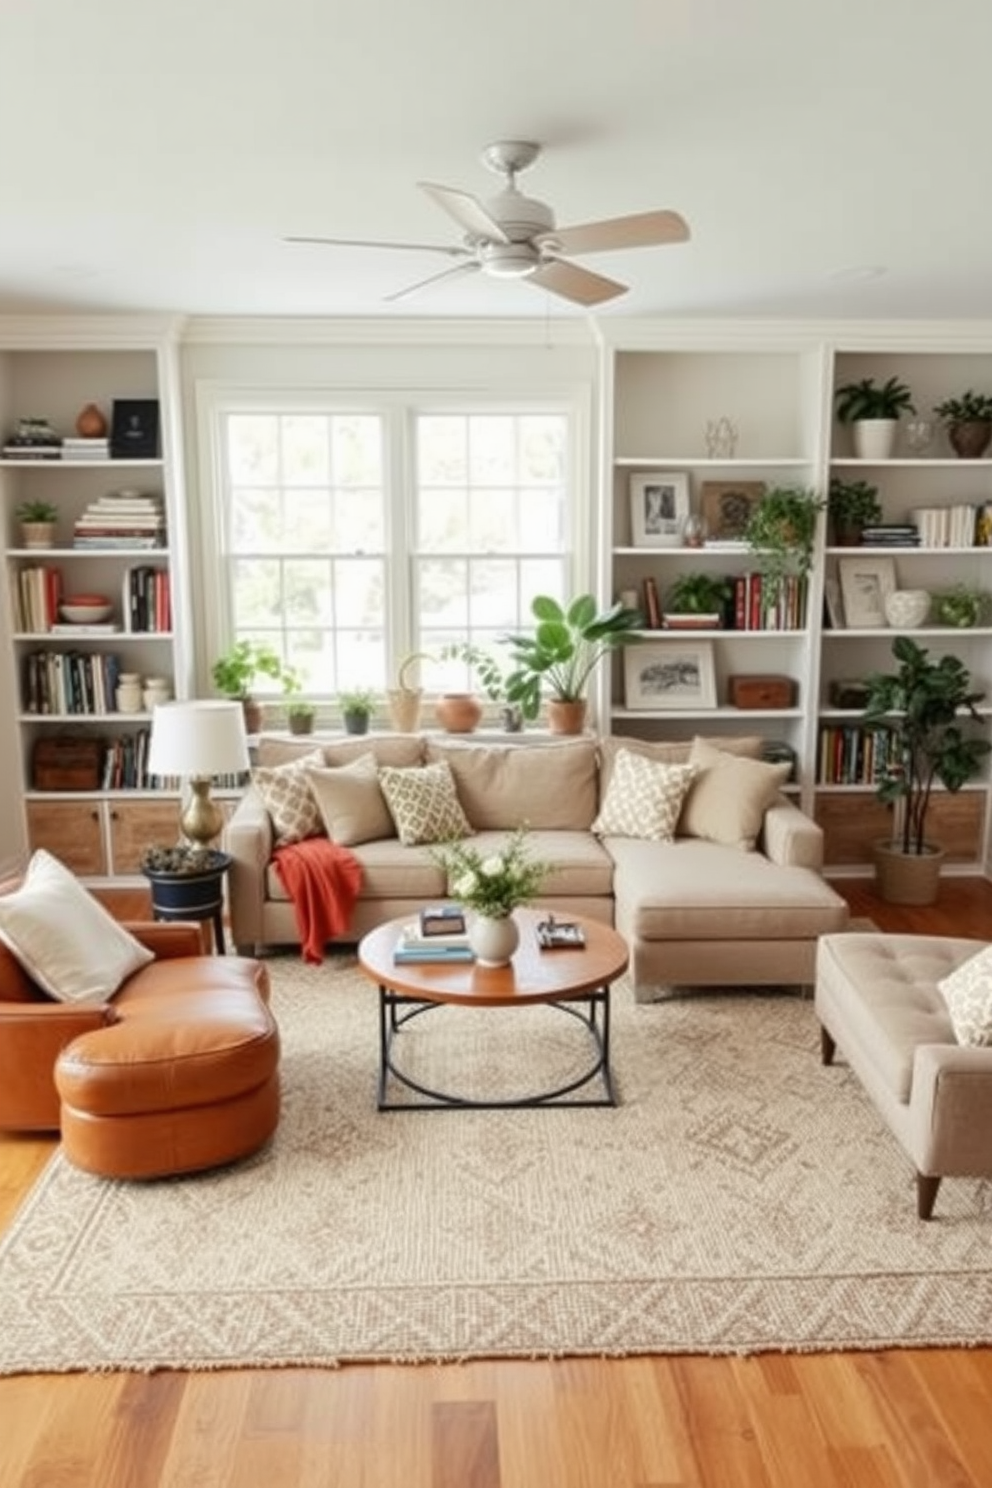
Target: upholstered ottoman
185,1077
878,1002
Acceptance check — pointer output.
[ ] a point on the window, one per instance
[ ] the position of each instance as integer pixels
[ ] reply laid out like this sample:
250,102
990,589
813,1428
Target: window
351,537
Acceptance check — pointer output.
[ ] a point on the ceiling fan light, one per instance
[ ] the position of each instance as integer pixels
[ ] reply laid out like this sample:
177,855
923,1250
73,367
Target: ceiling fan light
510,260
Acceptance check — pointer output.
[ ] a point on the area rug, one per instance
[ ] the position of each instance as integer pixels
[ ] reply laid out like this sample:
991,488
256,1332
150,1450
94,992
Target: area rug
740,1198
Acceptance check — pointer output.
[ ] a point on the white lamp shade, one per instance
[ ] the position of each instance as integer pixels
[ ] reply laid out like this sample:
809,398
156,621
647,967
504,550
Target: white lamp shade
198,738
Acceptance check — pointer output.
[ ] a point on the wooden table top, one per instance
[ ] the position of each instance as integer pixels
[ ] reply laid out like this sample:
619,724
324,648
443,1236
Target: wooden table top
532,976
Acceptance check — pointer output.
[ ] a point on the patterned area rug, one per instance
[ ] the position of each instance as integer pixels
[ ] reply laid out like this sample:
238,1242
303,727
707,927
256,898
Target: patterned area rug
740,1198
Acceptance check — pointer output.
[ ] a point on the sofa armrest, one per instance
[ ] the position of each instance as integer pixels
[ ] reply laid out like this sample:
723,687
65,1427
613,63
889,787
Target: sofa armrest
951,1108
790,838
32,1036
248,838
166,939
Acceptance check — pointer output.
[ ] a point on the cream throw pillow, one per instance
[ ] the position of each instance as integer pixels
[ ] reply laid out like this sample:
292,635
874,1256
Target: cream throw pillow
729,797
643,798
64,938
350,801
285,790
968,994
423,803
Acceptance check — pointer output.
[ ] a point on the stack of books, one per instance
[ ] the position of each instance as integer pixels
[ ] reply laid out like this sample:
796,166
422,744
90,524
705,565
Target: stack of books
439,934
122,519
891,535
76,448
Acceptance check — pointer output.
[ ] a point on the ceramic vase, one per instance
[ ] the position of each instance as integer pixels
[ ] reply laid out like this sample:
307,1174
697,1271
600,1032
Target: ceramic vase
458,712
493,941
874,438
90,423
905,609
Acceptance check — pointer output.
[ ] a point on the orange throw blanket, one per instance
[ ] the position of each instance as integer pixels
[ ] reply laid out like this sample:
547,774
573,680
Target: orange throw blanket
323,880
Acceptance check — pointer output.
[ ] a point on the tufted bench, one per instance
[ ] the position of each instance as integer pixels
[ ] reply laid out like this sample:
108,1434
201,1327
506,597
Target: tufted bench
877,1001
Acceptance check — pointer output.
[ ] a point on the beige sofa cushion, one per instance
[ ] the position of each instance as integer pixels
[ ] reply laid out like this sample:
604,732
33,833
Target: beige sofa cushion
667,751
350,800
389,749
644,798
728,799
968,995
423,803
547,786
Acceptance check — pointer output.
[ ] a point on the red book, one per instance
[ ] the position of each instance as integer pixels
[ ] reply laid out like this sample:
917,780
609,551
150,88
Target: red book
652,606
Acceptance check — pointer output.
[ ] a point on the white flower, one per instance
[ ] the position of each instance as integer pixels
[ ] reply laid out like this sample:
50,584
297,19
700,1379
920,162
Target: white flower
492,867
465,886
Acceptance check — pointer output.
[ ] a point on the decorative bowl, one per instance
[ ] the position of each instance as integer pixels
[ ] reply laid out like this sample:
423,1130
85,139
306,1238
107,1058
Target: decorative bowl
905,609
86,609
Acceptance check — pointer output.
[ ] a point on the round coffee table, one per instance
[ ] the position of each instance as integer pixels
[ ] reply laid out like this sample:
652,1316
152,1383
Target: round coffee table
576,981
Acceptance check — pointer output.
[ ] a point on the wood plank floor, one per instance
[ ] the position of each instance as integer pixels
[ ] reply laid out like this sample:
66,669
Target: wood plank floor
902,1419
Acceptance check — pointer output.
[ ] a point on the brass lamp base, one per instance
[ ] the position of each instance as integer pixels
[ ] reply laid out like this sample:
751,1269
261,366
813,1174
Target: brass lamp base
202,819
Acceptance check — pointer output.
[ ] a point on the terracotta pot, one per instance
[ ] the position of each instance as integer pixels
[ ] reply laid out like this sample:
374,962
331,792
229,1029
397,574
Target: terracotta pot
566,718
907,878
458,712
90,423
970,439
253,715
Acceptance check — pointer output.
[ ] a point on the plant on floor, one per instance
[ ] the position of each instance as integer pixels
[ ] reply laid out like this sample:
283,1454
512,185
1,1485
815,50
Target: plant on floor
566,646
780,532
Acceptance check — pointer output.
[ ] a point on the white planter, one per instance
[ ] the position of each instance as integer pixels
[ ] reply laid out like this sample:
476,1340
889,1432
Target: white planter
493,941
874,439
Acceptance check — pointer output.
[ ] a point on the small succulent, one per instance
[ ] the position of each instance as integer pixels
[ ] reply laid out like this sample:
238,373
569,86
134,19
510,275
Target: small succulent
37,511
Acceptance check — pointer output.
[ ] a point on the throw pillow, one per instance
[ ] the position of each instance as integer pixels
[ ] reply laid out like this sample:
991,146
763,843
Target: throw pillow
643,798
350,801
64,938
423,803
968,994
285,790
729,797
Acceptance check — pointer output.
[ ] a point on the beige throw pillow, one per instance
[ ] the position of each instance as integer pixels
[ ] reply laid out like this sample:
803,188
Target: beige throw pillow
968,994
643,799
285,790
64,938
350,801
423,803
729,797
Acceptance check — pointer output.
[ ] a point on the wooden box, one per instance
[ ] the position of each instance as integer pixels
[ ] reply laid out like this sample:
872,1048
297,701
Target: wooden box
762,690
66,764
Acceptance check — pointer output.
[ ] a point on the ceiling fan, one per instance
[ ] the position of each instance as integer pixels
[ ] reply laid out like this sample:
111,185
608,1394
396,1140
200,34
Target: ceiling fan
512,236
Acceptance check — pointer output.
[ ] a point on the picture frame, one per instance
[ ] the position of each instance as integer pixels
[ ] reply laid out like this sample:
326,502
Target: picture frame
659,505
134,429
864,584
670,675
726,508
834,603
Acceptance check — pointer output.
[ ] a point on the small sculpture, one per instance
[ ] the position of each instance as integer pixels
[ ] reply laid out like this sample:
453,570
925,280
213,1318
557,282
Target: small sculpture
721,438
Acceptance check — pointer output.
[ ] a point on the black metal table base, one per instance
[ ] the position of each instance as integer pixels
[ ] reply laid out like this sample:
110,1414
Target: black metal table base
591,1009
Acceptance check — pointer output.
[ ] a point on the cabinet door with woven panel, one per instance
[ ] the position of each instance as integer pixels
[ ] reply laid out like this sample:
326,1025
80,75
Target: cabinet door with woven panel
71,831
137,825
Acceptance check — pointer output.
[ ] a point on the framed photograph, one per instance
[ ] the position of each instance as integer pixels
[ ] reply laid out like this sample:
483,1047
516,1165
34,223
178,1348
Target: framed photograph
726,507
670,674
864,584
659,505
134,429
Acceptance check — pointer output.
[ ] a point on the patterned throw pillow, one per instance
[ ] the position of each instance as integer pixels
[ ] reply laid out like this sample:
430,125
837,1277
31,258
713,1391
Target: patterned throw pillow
968,994
290,802
643,798
423,803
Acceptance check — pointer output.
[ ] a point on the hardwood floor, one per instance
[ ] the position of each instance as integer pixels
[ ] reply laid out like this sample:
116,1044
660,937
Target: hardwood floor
902,1419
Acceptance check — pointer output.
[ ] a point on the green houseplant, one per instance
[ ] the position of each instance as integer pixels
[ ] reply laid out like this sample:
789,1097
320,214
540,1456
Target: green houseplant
969,423
920,709
300,715
699,595
780,532
873,409
37,519
357,705
235,672
852,505
567,644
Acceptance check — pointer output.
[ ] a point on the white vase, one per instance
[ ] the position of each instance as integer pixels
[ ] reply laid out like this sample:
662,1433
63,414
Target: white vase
874,439
905,609
493,941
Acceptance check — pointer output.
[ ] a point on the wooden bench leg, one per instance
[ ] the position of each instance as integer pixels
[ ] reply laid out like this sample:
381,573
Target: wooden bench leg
926,1194
828,1046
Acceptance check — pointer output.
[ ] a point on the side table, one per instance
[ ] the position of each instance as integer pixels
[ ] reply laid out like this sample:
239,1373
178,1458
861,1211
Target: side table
192,896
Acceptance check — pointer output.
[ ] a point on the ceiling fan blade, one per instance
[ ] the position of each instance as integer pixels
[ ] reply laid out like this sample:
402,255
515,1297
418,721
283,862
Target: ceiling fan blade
643,230
452,252
573,282
467,211
456,273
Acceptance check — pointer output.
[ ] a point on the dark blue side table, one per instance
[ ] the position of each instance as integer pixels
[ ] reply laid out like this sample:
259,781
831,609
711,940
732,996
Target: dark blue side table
192,896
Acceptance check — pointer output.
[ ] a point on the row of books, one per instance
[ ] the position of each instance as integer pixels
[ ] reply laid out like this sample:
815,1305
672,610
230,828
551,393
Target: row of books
851,755
961,526
747,609
146,603
147,600
69,682
35,598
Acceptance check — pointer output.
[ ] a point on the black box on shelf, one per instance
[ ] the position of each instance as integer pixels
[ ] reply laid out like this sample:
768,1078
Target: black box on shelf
134,429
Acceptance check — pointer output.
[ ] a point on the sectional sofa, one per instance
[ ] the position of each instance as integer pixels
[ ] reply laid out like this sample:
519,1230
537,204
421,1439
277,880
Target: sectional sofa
736,897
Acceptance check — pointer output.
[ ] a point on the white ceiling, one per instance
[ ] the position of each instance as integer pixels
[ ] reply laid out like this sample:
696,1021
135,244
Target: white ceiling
832,159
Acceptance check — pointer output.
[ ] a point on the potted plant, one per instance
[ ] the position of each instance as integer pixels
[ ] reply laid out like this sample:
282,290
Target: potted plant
300,715
873,410
781,531
852,505
697,601
37,519
961,606
235,672
357,705
567,644
919,710
969,423
491,678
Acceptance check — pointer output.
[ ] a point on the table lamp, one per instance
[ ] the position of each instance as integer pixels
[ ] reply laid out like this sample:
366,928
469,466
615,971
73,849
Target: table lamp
196,741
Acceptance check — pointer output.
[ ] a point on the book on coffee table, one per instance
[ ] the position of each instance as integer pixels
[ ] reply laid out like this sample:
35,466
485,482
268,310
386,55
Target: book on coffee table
442,919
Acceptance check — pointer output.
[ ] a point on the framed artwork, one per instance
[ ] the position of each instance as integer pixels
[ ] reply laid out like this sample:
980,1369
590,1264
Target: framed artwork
659,505
669,675
726,507
864,584
134,429
835,607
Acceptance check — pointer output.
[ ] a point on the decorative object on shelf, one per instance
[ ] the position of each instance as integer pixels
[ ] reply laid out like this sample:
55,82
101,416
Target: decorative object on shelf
33,438
919,435
906,609
458,712
865,585
762,690
66,764
493,886
968,420
694,530
357,705
726,507
38,520
300,716
196,741
235,672
873,411
848,692
567,645
962,606
134,429
721,438
670,675
85,609
697,599
156,690
922,706
128,695
780,532
852,505
404,699
659,505
834,619
91,422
